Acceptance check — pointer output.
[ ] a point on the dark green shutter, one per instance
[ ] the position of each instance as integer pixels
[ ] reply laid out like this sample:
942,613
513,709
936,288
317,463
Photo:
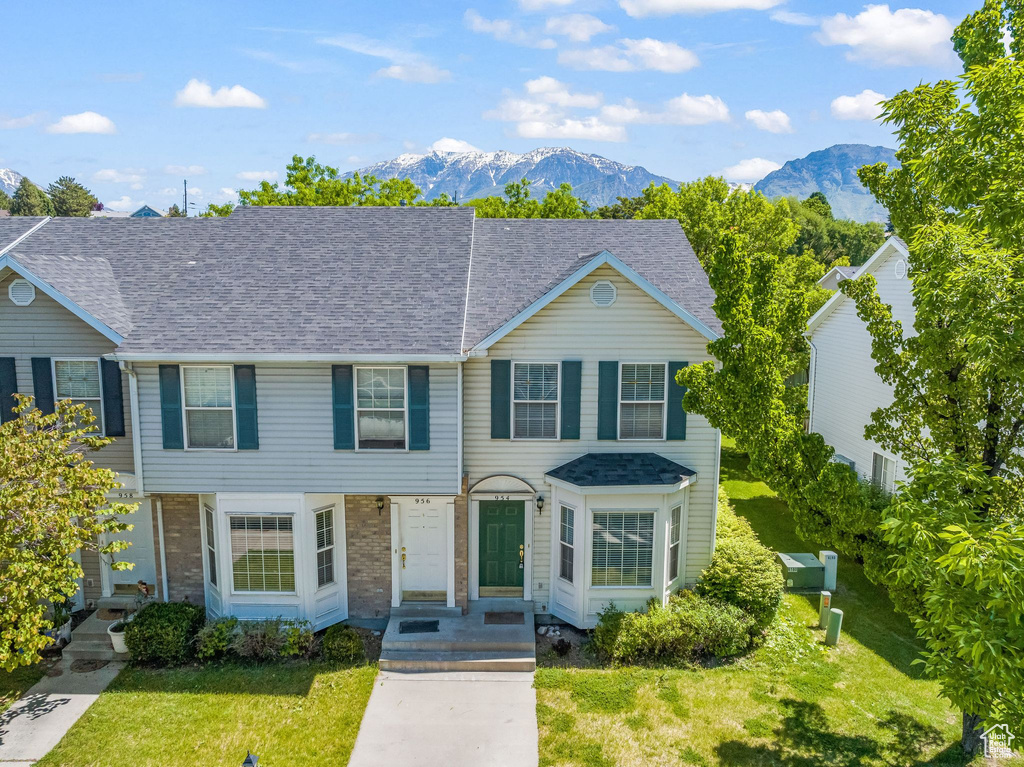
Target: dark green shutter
571,375
8,388
501,399
170,407
676,422
113,398
419,407
344,413
608,400
245,408
42,383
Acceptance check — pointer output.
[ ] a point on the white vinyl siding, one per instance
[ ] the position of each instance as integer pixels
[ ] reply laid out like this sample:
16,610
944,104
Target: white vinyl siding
209,397
78,380
623,548
535,400
642,401
674,536
262,553
381,408
566,537
324,546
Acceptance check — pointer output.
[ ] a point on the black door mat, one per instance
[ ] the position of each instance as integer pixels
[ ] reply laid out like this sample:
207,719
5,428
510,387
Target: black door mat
417,627
505,619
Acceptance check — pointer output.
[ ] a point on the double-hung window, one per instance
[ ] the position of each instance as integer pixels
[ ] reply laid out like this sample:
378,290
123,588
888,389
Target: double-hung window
209,397
535,400
380,408
79,381
675,535
883,472
566,539
262,553
642,401
324,546
623,548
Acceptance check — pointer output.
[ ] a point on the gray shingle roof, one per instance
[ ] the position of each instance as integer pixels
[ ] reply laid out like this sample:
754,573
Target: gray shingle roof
621,469
335,281
13,227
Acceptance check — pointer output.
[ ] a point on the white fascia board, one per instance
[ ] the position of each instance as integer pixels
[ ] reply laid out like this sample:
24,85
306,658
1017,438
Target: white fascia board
838,297
12,263
602,258
23,237
621,489
243,357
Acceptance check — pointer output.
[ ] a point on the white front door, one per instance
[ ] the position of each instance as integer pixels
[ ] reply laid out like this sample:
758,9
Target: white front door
424,550
141,553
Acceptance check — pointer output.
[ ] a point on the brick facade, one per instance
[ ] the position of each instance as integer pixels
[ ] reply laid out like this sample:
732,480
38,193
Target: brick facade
183,544
462,547
368,544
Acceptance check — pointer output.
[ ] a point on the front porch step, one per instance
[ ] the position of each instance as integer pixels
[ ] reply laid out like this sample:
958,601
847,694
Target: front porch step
91,649
425,610
424,643
407,660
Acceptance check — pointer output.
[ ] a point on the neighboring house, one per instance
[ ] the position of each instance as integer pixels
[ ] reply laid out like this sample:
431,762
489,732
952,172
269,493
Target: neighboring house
144,212
331,412
844,389
835,275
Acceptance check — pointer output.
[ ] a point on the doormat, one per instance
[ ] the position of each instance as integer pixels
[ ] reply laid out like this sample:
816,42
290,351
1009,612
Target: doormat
111,613
505,619
417,627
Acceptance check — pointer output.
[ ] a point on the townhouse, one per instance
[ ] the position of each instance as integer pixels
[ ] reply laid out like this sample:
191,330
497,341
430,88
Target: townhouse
328,413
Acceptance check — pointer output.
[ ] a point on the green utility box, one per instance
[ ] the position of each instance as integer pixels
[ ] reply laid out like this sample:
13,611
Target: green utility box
802,571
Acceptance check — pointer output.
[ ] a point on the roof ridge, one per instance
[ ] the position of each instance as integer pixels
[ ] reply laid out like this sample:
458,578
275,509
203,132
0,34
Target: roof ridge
18,240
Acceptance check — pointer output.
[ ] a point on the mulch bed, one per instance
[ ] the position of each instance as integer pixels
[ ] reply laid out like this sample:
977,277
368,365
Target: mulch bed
550,648
371,642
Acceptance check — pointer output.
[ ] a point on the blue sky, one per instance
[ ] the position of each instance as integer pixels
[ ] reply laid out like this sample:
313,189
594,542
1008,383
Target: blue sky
224,93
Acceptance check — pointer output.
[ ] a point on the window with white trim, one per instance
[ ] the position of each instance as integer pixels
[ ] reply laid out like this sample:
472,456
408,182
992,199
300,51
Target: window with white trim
262,553
675,536
566,542
642,401
211,544
79,381
623,548
535,400
324,546
209,397
883,472
380,408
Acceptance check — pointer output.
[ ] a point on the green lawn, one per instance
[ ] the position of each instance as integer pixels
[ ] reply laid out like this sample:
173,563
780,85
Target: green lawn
13,684
287,714
791,703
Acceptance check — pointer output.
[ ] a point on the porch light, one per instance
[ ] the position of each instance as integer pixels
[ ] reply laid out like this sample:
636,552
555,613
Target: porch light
380,505
251,760
540,504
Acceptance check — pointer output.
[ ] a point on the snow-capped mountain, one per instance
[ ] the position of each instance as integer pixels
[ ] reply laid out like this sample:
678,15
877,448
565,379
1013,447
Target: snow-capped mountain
9,180
468,175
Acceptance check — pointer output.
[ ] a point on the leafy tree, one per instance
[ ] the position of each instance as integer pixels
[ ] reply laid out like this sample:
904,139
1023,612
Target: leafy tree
213,210
30,200
175,212
562,203
52,503
307,182
624,207
819,203
829,239
5,200
71,198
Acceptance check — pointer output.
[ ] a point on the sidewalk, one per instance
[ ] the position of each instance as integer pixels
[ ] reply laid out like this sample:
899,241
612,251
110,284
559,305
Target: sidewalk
449,719
37,721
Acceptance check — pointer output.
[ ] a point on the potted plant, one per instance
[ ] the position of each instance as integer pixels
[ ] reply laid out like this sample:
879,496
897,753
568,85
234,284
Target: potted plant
61,619
116,633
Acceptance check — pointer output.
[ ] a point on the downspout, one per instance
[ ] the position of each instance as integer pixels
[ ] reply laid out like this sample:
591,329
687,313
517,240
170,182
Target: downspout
133,404
163,549
458,419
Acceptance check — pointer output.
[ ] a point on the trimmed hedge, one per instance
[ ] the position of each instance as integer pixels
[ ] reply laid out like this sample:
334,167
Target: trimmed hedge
164,632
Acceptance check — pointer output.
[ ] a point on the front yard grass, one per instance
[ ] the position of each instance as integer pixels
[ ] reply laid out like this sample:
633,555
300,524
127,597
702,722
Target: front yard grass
287,714
14,684
790,703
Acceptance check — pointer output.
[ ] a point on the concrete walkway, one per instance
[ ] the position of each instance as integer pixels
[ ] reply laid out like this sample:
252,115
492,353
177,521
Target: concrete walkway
39,719
449,719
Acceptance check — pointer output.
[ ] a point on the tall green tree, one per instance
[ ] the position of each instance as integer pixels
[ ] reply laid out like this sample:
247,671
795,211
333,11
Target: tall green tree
308,182
175,212
71,198
5,200
819,203
53,502
30,200
562,203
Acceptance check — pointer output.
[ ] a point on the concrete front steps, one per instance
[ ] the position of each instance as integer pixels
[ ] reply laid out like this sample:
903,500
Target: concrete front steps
462,642
90,641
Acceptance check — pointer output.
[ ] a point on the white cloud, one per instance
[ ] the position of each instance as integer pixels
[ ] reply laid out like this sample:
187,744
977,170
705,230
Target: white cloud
404,65
342,138
12,123
682,110
226,194
512,109
423,73
878,36
541,5
631,55
452,145
750,170
863,106
257,175
198,93
184,170
125,203
794,18
587,128
640,8
505,30
131,176
578,27
775,121
555,92
83,122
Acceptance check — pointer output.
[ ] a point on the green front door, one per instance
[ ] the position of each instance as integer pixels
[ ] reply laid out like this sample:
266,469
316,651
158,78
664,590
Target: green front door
502,548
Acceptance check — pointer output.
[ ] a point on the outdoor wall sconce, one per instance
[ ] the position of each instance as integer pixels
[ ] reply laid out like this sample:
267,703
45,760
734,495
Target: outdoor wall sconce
380,505
540,504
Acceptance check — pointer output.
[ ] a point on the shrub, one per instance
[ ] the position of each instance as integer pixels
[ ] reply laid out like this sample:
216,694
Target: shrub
259,640
299,640
743,572
606,633
164,632
342,644
215,638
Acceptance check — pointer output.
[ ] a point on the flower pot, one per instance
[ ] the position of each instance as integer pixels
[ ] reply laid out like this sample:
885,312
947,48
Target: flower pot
64,632
117,637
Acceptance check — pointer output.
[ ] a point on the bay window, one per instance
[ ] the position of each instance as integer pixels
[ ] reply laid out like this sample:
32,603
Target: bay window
623,548
262,553
566,536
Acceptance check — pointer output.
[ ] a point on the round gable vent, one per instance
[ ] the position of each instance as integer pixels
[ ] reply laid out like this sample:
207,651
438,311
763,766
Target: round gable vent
603,293
21,292
901,269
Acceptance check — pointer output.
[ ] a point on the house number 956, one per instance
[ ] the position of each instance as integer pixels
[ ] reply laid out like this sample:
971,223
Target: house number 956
422,500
